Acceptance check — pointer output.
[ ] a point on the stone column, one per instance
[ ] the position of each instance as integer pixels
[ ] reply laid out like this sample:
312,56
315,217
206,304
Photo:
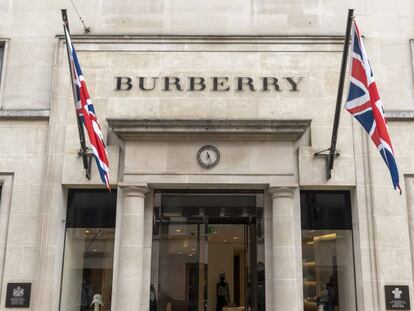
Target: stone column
131,248
287,292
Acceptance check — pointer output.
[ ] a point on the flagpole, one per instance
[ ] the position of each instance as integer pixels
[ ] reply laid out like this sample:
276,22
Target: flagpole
86,158
332,150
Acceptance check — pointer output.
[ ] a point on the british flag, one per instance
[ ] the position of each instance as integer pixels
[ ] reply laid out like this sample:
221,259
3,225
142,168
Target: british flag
365,104
86,112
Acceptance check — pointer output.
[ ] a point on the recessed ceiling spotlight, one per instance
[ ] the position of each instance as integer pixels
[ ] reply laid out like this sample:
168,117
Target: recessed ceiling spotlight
87,231
235,238
179,230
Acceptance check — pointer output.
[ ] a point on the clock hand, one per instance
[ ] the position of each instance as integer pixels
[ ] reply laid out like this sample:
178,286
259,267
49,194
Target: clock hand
208,157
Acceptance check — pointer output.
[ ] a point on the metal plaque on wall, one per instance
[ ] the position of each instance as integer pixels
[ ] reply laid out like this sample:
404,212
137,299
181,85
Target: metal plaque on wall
18,295
397,297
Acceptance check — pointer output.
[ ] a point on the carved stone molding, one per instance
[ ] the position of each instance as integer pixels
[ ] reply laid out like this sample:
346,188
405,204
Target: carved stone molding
282,191
25,114
399,115
200,43
134,190
148,129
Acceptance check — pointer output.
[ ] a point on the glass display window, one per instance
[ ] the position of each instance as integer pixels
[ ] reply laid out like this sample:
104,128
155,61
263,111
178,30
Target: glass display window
89,250
327,251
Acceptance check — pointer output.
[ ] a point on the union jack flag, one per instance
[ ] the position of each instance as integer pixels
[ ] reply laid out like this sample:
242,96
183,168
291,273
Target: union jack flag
365,104
87,115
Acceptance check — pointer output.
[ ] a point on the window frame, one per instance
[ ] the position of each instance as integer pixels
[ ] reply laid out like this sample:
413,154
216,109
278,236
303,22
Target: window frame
412,56
6,188
4,43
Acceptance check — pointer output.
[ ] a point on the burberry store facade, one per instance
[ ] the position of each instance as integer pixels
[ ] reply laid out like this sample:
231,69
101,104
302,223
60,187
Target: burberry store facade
218,200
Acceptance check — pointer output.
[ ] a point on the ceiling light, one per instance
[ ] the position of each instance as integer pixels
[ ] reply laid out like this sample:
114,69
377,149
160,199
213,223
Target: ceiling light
325,237
87,231
179,230
235,238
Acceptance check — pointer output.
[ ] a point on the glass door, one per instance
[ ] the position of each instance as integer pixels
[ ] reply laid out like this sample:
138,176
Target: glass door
226,263
205,253
182,266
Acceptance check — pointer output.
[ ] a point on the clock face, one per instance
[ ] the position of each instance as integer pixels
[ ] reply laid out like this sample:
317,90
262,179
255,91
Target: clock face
208,156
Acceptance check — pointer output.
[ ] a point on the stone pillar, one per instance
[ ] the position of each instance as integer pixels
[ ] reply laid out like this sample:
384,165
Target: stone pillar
287,292
131,248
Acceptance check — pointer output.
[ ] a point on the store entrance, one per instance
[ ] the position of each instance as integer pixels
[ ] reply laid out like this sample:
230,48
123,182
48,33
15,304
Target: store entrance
206,252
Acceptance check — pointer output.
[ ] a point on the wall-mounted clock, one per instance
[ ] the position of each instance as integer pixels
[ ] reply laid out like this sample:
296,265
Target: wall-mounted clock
208,156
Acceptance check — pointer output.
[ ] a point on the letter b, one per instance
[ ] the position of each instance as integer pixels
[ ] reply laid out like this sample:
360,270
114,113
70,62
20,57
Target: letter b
123,83
197,81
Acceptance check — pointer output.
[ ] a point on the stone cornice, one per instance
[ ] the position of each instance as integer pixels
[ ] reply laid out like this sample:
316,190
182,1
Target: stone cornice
203,43
399,115
24,114
148,129
208,39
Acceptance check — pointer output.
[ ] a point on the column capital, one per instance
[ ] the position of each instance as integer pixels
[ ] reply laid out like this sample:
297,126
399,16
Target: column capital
134,189
282,191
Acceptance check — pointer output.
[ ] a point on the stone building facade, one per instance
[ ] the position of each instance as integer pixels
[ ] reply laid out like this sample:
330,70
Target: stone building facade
257,81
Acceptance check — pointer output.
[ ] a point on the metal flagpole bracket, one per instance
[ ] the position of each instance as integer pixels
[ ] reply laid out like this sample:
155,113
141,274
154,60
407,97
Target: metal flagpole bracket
330,154
88,154
326,154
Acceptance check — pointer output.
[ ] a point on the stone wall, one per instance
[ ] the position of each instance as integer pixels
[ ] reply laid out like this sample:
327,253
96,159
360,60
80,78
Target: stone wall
38,154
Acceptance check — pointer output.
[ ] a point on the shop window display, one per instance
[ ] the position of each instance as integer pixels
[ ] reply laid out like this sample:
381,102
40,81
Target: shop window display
327,251
89,250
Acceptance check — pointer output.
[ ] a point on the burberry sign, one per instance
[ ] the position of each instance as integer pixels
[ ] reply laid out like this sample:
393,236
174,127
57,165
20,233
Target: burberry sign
215,84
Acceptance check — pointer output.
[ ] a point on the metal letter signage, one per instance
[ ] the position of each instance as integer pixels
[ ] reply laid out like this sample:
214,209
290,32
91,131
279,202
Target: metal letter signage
214,84
18,295
397,297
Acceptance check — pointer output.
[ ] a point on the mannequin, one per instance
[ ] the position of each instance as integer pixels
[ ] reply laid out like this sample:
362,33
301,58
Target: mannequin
153,298
331,287
223,293
97,302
